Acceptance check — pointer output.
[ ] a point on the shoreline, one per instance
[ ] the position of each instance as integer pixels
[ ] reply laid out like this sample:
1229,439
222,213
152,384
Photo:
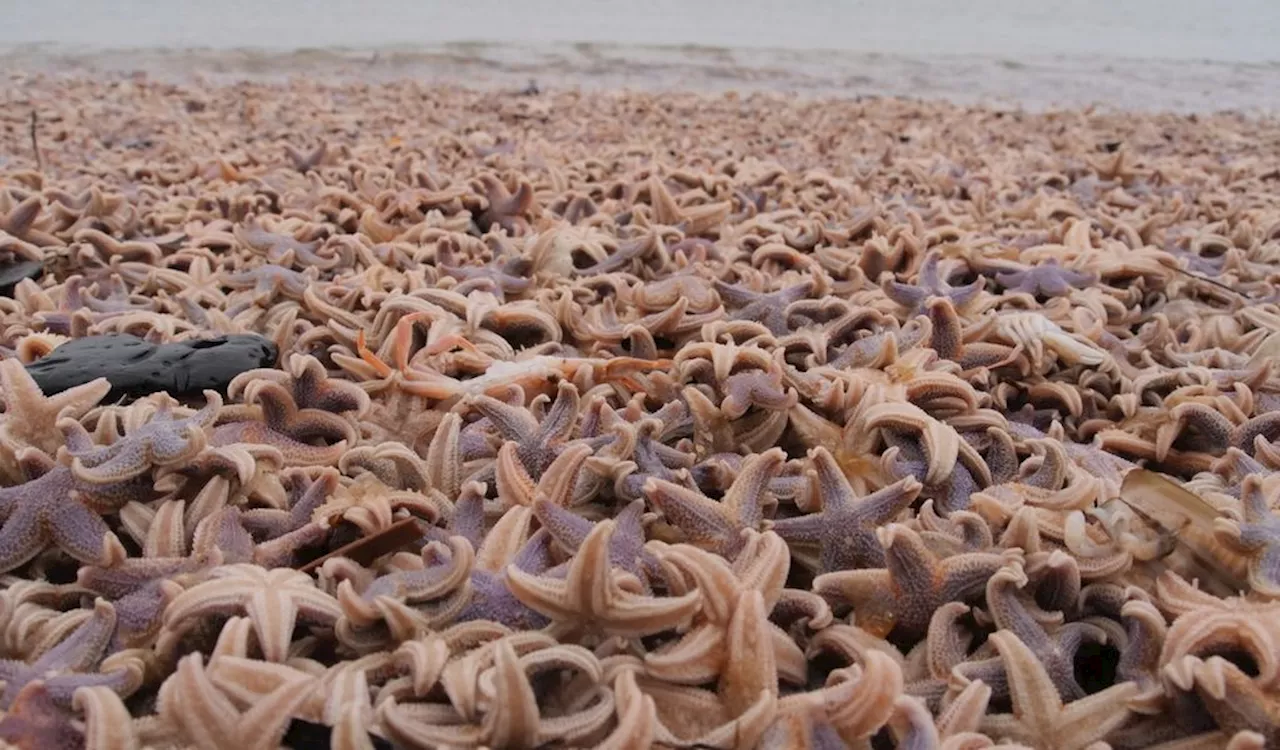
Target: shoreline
1061,82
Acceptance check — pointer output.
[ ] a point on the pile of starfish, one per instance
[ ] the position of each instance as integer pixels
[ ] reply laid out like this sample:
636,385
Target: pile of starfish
630,420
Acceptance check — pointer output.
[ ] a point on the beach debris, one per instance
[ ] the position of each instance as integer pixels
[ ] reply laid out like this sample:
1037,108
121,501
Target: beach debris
135,367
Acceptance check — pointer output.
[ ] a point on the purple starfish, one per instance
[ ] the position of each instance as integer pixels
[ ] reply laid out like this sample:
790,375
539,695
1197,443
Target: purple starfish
626,546
1008,607
768,309
70,664
845,529
61,509
490,598
930,284
1048,279
35,720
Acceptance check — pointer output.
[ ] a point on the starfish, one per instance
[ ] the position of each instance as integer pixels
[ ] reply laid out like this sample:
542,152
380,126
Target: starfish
536,443
191,703
845,528
68,666
559,483
281,250
30,417
745,702
1257,536
853,706
903,597
57,507
293,452
718,526
36,722
504,208
396,598
912,430
306,494
1040,717
162,441
273,599
306,162
283,414
756,388
269,283
280,534
507,277
1234,699
204,286
393,464
309,384
1047,279
699,655
20,220
768,308
626,547
513,715
492,599
303,436
652,459
930,284
1055,653
591,595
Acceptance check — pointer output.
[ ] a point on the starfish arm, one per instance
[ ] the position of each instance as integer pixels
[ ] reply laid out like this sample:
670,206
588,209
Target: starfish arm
273,616
561,476
223,596
561,418
190,701
830,482
1035,700
62,687
22,538
883,505
116,463
746,495
569,529
515,485
966,573
1010,613
513,719
108,723
703,520
801,529
83,534
512,423
83,649
1093,717
854,586
695,659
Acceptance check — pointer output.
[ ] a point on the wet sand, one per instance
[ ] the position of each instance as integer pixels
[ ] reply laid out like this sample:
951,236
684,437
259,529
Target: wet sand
1034,84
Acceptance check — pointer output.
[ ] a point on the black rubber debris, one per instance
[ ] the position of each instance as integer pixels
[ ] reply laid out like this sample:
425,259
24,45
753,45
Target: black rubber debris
136,368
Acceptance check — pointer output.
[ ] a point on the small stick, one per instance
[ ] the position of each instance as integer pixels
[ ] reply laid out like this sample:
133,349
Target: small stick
1207,280
35,143
370,548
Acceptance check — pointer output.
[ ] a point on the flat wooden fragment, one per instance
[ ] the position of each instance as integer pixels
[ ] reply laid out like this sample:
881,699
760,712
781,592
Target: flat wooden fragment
367,549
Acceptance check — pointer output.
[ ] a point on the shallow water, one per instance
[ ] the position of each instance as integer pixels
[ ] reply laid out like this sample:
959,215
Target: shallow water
1131,53
1231,30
